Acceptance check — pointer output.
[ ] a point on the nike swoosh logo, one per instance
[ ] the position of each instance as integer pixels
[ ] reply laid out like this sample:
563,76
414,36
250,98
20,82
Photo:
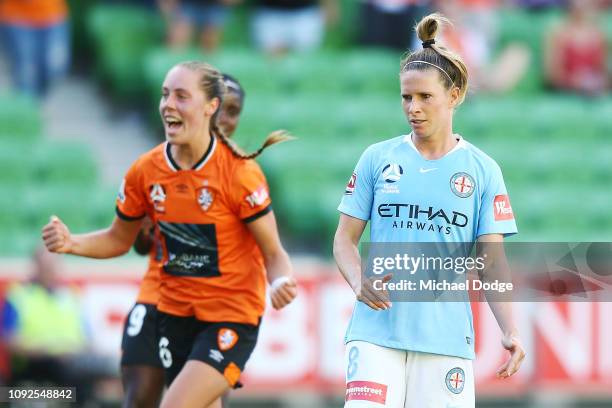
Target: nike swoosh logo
422,170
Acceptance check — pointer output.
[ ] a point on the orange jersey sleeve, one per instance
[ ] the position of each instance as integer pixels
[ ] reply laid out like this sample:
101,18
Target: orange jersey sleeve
249,191
131,200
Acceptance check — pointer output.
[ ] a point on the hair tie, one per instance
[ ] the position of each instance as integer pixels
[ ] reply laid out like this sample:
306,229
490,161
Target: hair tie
428,43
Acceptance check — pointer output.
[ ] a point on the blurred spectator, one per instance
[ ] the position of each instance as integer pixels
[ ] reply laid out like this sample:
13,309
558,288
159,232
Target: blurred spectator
206,16
474,37
43,330
36,38
390,23
540,4
575,51
284,25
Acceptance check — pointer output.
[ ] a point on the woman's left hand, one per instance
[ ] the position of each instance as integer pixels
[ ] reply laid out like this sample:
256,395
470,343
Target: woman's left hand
517,354
282,291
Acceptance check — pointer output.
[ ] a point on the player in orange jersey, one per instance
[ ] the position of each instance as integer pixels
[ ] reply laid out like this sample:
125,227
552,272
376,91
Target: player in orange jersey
219,239
142,372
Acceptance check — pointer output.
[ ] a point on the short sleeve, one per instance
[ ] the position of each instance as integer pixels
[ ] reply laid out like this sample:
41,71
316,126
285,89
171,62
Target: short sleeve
496,216
131,199
359,192
250,193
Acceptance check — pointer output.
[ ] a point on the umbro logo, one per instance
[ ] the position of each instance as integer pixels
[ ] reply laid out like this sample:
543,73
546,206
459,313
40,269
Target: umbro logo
422,170
215,355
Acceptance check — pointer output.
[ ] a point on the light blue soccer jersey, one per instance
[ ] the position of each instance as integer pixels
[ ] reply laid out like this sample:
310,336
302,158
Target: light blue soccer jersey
408,198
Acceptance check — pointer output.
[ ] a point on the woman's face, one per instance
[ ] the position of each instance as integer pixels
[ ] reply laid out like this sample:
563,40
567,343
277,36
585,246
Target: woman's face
427,104
230,113
184,108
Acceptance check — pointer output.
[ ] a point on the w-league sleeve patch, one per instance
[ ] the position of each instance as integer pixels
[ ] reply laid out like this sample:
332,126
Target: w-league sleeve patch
502,208
366,391
350,187
121,192
257,197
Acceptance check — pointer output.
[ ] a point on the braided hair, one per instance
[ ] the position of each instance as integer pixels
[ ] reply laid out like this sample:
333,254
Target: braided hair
213,85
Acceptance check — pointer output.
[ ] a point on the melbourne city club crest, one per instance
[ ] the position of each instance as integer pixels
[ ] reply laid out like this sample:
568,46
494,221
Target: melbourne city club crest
455,380
462,184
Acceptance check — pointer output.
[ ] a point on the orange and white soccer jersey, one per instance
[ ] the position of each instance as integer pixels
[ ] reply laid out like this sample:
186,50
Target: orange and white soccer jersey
212,267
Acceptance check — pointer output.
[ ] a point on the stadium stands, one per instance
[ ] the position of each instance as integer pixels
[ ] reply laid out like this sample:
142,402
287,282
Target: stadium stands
552,148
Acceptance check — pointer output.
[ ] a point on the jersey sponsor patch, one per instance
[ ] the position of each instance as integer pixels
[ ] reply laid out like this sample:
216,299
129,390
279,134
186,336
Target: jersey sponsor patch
366,391
226,339
462,184
350,186
192,249
455,380
502,208
257,197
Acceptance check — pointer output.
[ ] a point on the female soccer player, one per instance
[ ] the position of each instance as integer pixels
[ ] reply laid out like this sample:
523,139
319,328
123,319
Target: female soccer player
429,186
142,372
212,209
141,369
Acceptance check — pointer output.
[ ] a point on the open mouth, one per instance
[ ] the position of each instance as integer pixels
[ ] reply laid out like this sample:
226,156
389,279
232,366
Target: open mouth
173,123
417,121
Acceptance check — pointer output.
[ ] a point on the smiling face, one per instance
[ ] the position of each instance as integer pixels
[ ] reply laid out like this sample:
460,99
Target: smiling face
184,108
427,104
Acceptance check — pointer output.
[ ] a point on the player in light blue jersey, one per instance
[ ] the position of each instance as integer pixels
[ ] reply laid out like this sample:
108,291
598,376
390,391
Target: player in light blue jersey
431,185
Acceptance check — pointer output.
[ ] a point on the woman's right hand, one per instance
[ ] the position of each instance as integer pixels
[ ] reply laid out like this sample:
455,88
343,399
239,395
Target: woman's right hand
57,237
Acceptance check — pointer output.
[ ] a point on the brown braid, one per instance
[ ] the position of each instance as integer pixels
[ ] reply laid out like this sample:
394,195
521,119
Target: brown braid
211,82
277,136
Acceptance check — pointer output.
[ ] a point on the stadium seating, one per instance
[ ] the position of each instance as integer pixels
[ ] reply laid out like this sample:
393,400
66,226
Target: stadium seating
553,148
41,177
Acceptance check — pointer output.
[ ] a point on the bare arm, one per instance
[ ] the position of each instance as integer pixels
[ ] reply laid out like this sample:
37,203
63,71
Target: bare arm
283,285
502,310
110,242
348,260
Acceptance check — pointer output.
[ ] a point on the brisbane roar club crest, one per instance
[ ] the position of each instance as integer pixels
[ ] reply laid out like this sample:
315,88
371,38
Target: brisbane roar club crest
226,339
158,197
462,184
205,199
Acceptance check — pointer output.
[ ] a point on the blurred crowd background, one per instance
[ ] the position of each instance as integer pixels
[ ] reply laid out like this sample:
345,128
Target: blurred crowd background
79,89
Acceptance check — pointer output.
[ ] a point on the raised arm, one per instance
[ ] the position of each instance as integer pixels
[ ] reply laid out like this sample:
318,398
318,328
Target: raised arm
110,242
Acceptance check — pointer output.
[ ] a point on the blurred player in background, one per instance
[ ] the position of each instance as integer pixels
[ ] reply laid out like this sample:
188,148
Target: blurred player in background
141,368
418,354
212,211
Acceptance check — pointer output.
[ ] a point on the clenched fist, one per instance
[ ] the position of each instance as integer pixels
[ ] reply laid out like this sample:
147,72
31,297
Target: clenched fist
282,291
56,236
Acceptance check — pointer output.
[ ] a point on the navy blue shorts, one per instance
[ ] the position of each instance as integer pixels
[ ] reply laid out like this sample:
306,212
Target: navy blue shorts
139,345
225,346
